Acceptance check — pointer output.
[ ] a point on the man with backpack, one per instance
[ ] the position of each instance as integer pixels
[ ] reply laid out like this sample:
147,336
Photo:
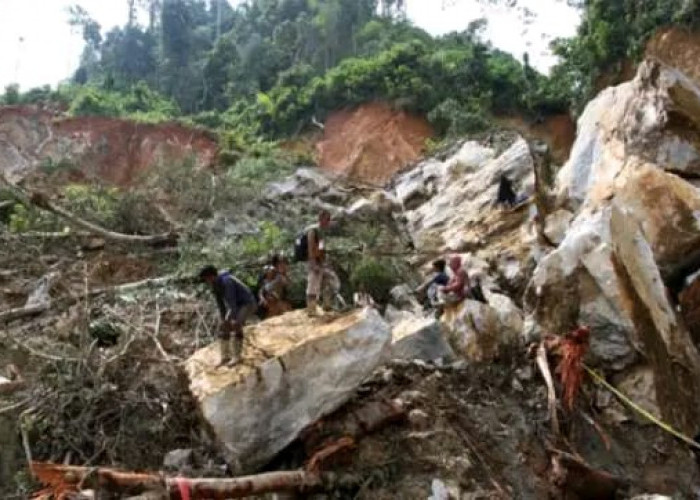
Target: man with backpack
322,281
236,305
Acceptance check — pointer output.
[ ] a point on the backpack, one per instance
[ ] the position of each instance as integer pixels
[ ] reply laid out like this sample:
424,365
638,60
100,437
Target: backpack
301,247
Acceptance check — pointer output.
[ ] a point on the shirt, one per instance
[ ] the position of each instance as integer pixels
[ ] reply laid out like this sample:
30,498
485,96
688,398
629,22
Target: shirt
231,294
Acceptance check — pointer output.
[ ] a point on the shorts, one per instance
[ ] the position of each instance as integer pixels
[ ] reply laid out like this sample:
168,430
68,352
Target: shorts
321,279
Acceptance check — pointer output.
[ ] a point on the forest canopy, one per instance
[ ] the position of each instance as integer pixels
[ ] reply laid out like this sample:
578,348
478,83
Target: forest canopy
269,68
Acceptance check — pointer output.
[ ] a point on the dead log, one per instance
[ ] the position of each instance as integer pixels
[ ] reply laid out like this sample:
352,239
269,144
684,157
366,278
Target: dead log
575,477
65,479
271,482
22,312
41,201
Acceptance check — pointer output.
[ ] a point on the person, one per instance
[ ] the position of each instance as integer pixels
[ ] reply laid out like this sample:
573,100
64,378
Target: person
457,289
273,291
322,281
438,277
236,305
506,196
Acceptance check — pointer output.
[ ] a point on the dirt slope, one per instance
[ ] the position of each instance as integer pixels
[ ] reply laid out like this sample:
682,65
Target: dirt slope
371,143
111,149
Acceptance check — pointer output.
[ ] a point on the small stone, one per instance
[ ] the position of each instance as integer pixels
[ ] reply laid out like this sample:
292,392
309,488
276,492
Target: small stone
524,374
419,419
516,385
411,397
460,365
178,459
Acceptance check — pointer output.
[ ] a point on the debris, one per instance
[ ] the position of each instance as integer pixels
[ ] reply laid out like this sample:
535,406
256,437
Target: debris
63,480
40,200
572,349
177,460
543,365
574,476
439,491
418,419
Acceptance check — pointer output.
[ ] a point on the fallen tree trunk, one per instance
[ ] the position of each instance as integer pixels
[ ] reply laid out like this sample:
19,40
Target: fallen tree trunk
22,312
41,201
64,479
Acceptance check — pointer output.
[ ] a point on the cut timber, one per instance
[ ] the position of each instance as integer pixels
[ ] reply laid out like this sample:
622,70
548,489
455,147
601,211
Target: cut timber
294,370
63,480
41,201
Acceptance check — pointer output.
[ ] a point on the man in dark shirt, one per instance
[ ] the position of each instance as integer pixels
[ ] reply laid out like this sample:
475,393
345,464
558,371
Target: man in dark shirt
236,305
437,278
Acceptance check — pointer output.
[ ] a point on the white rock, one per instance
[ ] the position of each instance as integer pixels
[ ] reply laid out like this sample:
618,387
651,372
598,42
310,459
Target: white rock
295,370
475,330
416,337
556,225
439,491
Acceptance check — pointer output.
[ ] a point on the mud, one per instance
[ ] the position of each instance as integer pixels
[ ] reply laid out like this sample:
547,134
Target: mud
371,143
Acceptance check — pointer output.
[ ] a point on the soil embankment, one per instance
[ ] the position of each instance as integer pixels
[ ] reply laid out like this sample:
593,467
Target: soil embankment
371,143
113,150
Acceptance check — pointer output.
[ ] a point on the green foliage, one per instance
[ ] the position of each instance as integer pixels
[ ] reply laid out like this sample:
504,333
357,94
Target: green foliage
23,219
97,204
253,171
139,103
11,95
610,34
374,277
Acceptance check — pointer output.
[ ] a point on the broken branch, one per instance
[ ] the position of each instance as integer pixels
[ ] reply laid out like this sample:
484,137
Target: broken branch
43,202
68,478
543,365
22,312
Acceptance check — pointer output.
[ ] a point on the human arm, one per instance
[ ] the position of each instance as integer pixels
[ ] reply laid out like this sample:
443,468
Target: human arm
315,254
457,283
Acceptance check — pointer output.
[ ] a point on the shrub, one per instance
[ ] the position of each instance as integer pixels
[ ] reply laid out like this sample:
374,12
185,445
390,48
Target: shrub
374,277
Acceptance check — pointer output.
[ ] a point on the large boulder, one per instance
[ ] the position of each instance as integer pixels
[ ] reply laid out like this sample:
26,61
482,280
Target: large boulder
653,119
295,370
673,357
449,205
415,337
629,183
576,284
478,331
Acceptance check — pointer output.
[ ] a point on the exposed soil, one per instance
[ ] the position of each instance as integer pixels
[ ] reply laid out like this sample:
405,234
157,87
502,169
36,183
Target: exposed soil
113,150
371,143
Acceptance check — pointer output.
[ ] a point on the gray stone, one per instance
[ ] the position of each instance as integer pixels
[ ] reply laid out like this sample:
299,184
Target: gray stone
419,338
418,419
556,225
295,370
177,460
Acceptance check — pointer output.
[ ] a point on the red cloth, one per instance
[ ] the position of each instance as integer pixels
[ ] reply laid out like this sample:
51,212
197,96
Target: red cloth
183,484
458,284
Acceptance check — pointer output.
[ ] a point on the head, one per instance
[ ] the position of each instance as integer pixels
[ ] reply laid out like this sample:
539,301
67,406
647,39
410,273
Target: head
439,265
208,274
269,272
280,263
455,263
324,219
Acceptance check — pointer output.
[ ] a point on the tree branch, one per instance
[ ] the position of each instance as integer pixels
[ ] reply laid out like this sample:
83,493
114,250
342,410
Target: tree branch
43,202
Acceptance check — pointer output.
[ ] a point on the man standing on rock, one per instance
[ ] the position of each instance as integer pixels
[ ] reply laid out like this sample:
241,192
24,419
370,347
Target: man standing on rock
321,278
236,305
